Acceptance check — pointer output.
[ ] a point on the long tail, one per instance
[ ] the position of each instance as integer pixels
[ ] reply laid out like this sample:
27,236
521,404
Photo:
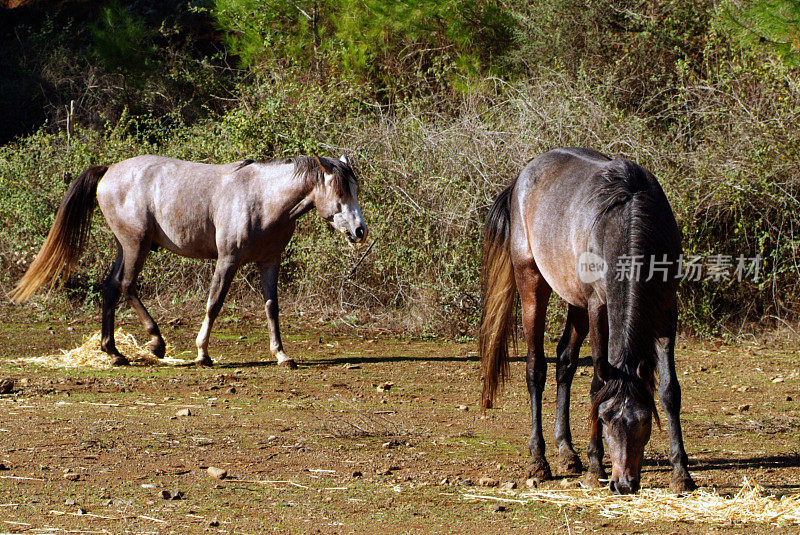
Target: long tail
499,287
66,238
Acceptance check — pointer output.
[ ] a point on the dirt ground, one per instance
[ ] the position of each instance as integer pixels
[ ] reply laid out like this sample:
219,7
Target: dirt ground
321,449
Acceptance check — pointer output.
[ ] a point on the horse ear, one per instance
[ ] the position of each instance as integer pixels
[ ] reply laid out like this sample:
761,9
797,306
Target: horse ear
325,165
344,160
641,371
604,370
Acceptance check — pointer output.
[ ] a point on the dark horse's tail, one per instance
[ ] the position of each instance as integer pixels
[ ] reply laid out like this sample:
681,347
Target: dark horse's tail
66,238
499,287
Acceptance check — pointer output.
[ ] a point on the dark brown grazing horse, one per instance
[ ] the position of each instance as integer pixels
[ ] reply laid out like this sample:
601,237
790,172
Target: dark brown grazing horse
601,233
235,213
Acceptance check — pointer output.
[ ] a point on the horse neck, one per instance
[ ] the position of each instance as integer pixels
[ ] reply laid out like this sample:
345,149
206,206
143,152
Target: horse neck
281,187
635,305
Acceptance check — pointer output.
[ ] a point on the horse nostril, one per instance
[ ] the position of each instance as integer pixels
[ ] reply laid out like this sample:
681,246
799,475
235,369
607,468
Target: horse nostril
359,232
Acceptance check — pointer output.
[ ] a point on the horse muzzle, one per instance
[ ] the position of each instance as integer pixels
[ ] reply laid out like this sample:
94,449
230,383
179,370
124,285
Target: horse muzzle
624,486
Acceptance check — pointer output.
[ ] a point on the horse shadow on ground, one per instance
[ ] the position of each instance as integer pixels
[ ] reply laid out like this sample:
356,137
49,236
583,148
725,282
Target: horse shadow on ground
341,361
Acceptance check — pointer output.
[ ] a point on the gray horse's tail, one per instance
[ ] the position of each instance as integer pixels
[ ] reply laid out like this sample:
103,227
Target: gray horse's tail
499,288
66,238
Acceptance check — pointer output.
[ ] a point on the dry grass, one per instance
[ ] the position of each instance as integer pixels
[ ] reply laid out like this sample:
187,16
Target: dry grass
752,504
89,354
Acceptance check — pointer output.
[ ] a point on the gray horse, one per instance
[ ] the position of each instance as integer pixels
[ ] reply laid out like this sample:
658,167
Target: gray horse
569,219
236,213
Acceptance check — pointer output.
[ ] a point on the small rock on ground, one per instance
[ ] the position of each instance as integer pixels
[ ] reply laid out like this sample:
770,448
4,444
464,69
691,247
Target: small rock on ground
488,482
217,473
6,385
183,412
499,508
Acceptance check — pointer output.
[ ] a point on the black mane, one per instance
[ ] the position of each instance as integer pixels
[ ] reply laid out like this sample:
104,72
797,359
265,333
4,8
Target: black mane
310,170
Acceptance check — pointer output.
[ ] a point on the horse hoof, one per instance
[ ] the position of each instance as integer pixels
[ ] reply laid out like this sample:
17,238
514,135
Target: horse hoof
540,469
204,362
158,349
289,364
681,485
119,360
570,464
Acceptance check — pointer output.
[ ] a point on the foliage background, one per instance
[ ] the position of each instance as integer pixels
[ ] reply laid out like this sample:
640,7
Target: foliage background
440,103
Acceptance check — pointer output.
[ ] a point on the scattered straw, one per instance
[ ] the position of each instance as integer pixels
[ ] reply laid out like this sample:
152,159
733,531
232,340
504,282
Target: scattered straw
89,354
752,504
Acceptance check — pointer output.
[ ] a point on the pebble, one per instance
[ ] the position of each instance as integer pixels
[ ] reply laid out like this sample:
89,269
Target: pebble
743,408
383,387
509,485
72,476
217,473
69,501
463,408
6,385
357,473
81,511
499,508
183,412
789,398
532,482
488,482
167,495
214,523
232,390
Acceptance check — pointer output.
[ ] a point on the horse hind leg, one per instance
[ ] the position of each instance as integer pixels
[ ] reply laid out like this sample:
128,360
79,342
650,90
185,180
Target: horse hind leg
133,261
534,295
156,345
110,297
575,331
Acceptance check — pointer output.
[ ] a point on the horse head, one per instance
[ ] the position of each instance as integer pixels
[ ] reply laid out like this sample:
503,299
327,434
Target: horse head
625,409
336,199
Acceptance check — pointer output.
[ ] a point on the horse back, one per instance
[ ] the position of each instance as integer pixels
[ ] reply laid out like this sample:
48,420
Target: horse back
165,201
569,201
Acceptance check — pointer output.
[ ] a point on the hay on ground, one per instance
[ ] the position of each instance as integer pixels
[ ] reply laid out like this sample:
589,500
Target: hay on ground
752,504
89,354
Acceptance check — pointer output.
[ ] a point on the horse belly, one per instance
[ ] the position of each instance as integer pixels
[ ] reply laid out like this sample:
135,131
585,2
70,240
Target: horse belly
559,270
184,237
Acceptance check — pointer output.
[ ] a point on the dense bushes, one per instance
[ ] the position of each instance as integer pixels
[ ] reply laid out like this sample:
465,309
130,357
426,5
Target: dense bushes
441,103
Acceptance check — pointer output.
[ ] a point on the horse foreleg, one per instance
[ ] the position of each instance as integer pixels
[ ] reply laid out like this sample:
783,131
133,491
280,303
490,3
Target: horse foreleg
269,288
598,337
534,294
111,289
567,362
220,283
670,393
